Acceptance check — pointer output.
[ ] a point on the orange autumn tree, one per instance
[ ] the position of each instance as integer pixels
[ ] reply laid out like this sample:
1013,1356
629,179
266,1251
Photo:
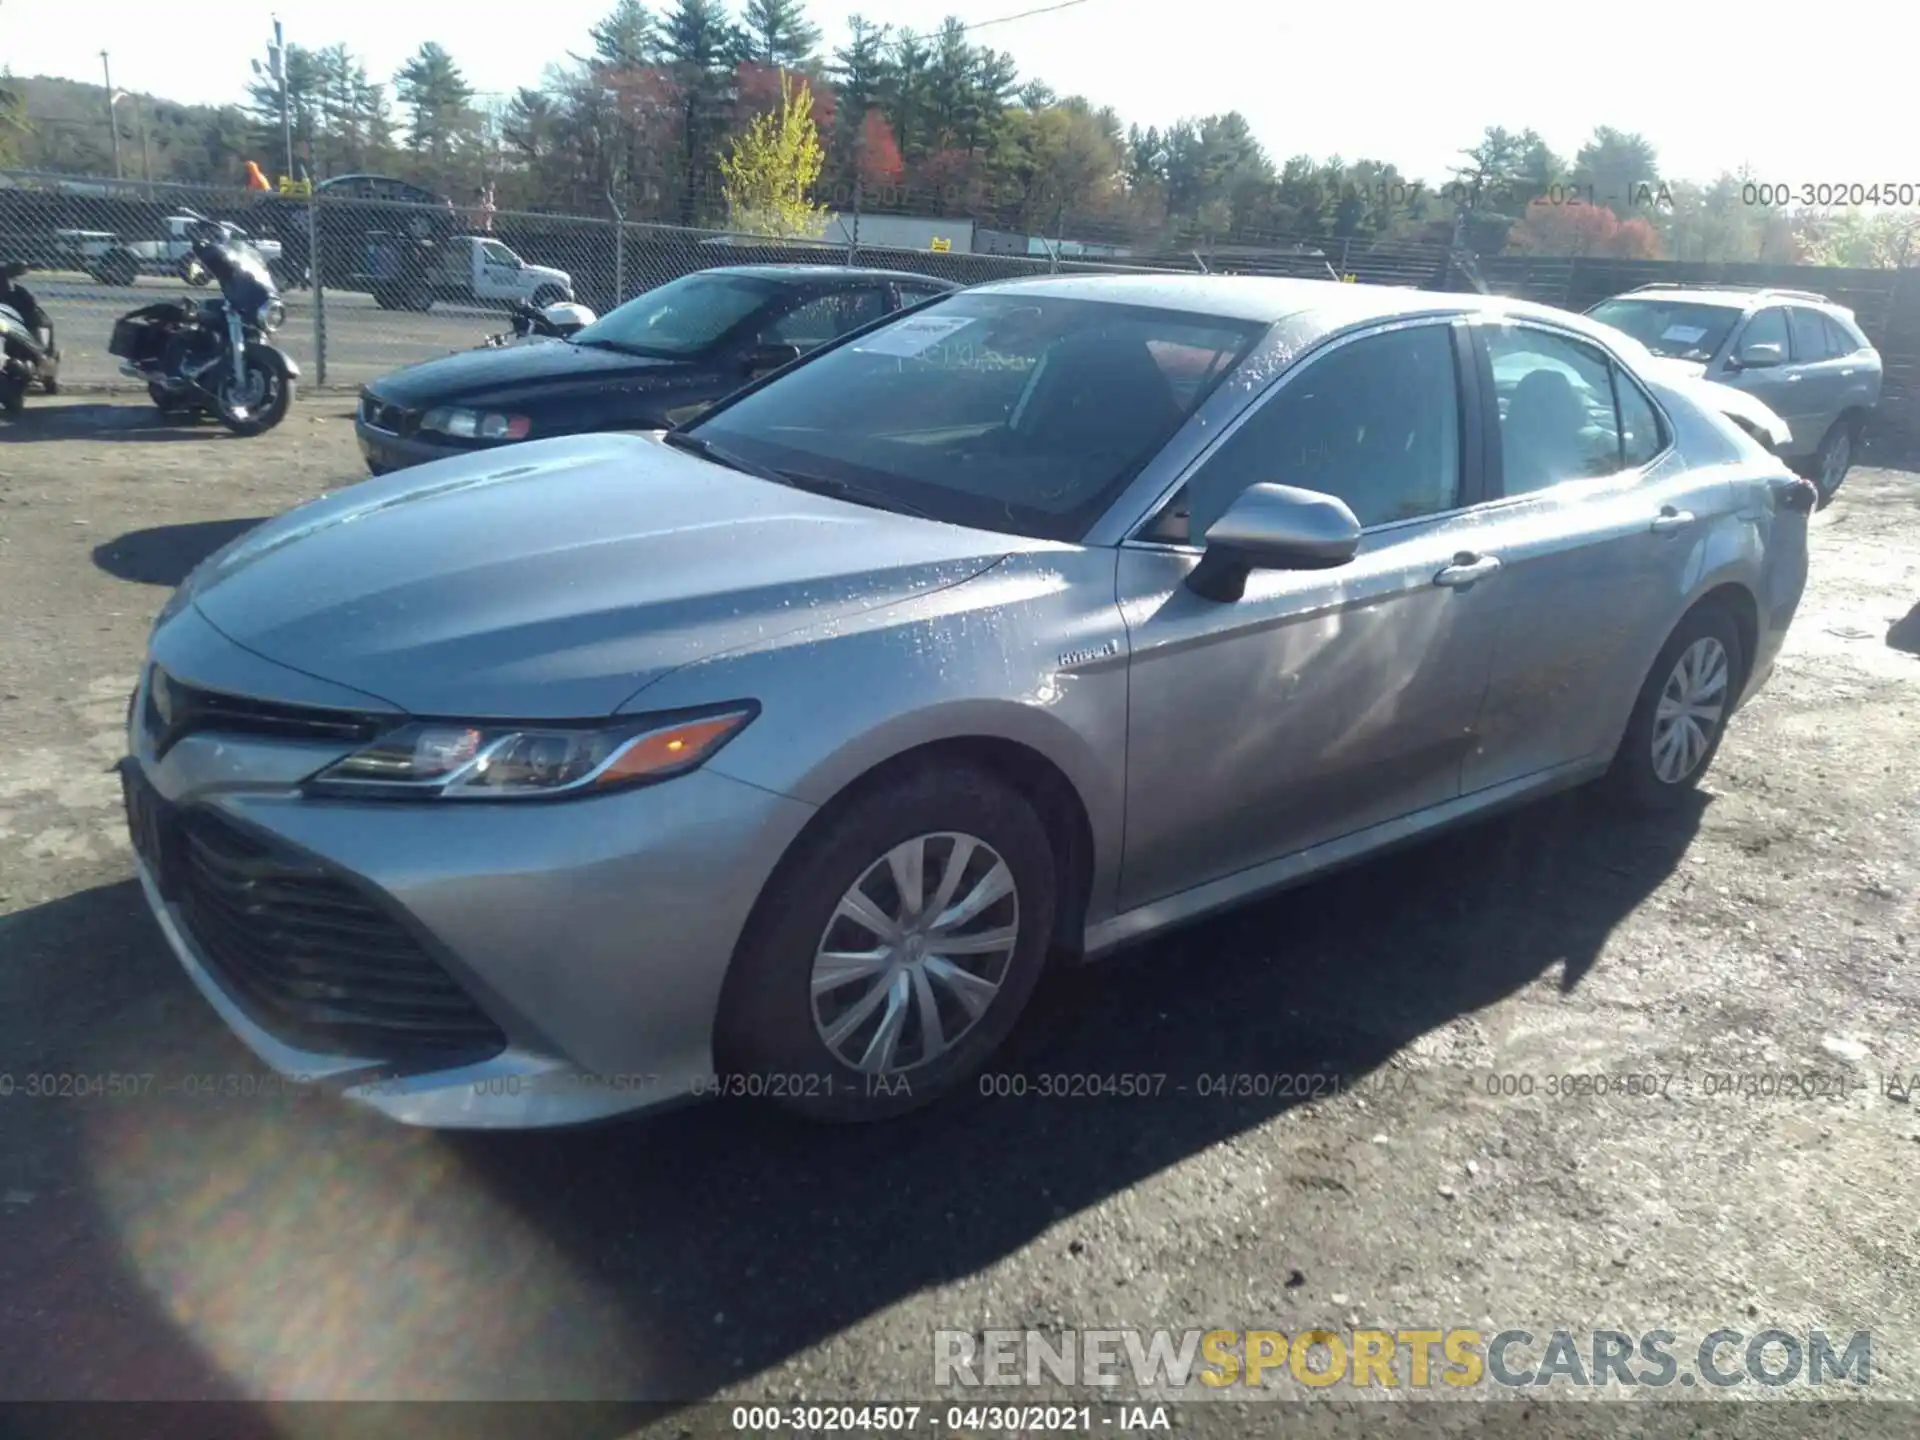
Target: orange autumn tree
1551,229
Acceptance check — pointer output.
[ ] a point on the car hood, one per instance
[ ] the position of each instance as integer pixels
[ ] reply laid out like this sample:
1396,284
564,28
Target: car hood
557,579
496,374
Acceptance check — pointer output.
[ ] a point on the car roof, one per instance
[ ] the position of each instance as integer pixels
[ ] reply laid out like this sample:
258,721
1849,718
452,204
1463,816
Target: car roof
851,275
1331,304
1733,299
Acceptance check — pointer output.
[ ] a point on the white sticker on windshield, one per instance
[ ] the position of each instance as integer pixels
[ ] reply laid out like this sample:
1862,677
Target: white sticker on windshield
1685,334
910,337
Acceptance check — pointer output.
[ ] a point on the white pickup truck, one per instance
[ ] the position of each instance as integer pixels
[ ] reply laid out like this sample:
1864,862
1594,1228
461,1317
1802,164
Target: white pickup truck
402,274
113,261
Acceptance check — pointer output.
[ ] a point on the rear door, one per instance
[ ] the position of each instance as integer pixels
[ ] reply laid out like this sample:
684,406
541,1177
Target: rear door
1598,526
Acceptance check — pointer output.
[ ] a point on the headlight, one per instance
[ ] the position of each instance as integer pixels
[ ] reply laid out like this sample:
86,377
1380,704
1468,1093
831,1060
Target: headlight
271,316
484,761
475,424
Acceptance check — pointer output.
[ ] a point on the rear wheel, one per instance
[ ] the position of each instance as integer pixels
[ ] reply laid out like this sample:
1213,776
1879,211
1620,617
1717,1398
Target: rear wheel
893,951
1682,712
1834,458
13,395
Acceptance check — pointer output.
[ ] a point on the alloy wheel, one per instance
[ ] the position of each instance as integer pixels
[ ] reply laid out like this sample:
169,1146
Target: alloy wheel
1691,706
915,953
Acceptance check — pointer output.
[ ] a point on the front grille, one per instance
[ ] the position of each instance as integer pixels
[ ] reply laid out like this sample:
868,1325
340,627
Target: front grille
393,419
175,710
306,952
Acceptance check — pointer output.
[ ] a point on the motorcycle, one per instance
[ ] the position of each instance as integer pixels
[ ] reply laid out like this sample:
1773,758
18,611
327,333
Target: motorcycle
28,355
213,355
556,322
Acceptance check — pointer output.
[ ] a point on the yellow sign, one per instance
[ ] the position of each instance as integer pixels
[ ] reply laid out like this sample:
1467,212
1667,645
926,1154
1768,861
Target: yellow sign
1346,279
290,186
941,243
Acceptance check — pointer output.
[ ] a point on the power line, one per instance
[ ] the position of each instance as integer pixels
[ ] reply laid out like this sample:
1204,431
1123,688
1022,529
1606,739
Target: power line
1024,14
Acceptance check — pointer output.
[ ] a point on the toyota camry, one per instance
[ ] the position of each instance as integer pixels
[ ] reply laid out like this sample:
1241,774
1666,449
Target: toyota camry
784,752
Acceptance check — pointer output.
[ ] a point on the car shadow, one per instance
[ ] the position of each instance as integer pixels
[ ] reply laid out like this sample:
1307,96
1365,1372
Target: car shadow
135,420
1904,633
662,1258
166,554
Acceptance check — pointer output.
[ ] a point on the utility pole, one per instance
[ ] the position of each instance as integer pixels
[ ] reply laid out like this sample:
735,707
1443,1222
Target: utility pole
277,60
113,122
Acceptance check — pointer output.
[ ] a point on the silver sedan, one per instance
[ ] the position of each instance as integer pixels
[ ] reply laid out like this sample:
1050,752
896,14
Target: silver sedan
779,755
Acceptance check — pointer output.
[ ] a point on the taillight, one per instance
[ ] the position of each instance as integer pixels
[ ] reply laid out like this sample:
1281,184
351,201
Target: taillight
1796,493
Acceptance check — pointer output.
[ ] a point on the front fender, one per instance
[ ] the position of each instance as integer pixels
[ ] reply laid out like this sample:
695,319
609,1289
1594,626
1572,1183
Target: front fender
274,358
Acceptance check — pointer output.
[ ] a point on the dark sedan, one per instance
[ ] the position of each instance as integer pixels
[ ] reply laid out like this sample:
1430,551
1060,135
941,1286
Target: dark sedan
653,363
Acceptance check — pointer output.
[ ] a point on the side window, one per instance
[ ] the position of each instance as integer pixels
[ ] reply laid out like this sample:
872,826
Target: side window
1838,340
1809,335
497,254
826,317
1640,437
914,294
1375,421
1769,327
1557,420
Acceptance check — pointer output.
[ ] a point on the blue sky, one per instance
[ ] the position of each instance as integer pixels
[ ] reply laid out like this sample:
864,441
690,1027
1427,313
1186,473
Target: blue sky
1698,77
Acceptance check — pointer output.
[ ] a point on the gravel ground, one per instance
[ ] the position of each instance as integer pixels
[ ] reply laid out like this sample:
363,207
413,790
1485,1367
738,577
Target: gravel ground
226,1247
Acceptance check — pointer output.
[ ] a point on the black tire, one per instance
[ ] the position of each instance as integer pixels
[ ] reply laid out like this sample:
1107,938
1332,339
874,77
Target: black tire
50,384
273,411
1634,780
119,269
13,398
1836,453
766,1040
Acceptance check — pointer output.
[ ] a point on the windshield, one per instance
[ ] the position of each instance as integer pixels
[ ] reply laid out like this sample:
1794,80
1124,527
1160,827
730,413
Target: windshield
1677,329
682,317
1009,412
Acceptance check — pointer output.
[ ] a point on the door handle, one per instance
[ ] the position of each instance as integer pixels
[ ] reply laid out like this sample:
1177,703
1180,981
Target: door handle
1466,569
1670,520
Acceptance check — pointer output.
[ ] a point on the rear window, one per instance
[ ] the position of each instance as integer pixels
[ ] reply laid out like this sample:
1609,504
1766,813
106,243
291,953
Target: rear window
1677,329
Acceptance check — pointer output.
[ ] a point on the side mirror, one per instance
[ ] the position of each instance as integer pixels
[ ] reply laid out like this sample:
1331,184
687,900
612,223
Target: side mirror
1761,355
764,358
1273,527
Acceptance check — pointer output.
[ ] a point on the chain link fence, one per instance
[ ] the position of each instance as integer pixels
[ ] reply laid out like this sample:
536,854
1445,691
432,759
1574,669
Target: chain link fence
372,285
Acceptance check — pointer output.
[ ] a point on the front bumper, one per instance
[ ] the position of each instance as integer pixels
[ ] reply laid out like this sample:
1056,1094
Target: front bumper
384,451
594,934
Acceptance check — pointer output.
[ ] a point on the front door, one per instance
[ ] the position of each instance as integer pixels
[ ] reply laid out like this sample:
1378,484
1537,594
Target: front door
1321,702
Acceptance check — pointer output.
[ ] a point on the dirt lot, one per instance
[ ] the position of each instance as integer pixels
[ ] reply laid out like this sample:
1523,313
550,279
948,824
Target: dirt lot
254,1247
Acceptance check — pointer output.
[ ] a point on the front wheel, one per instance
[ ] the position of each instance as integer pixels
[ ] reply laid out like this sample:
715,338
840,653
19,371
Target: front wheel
13,396
193,272
893,951
258,403
1682,712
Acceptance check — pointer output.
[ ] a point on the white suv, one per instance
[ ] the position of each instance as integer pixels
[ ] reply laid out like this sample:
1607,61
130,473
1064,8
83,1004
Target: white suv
1798,352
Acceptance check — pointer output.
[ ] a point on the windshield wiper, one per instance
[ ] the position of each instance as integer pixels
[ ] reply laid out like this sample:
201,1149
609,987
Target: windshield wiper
847,490
707,450
795,479
617,347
